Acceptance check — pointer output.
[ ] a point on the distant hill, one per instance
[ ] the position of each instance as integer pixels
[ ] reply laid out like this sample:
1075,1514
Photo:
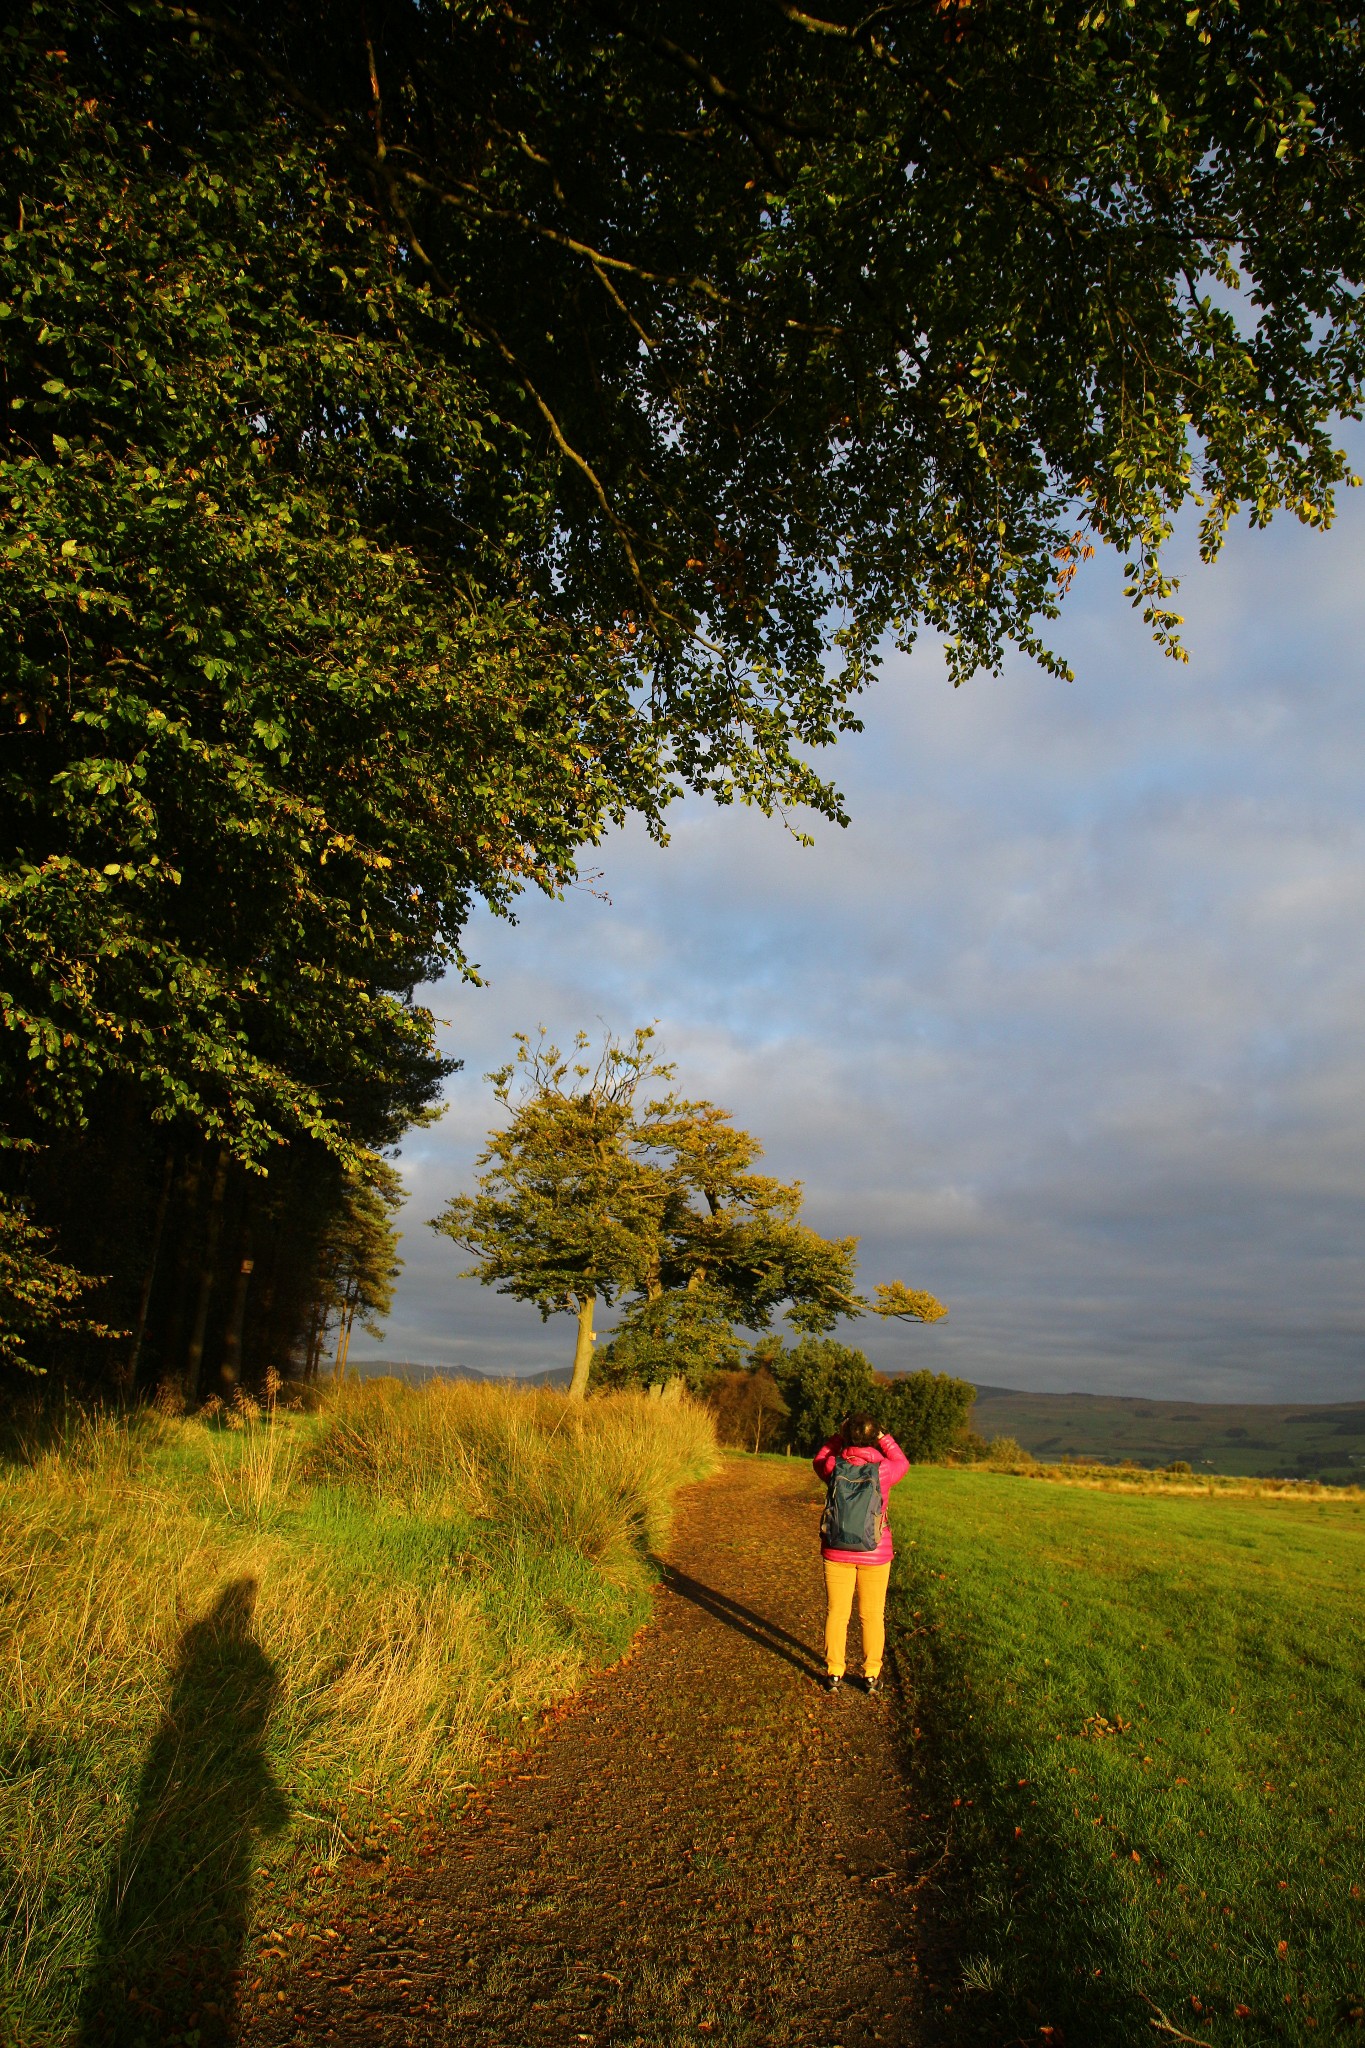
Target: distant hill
1300,1440
415,1372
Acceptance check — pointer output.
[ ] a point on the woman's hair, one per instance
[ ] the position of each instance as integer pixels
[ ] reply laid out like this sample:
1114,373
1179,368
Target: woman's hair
861,1430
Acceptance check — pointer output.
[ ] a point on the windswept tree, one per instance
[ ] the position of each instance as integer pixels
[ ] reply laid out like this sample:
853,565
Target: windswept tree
566,1214
595,1193
730,1248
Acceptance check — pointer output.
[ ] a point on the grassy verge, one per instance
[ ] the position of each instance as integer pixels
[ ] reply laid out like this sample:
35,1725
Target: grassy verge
1140,1718
1175,1481
227,1655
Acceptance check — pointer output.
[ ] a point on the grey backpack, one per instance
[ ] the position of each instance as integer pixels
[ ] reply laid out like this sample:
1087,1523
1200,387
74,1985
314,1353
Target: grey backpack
854,1516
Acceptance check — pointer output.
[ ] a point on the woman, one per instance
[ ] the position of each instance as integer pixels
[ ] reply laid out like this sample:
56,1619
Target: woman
855,1541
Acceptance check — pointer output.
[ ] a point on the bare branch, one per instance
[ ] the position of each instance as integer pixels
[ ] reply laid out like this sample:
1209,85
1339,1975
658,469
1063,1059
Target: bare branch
1162,2025
580,462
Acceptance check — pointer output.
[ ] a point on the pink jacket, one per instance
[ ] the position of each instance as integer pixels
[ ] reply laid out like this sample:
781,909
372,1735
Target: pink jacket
887,1453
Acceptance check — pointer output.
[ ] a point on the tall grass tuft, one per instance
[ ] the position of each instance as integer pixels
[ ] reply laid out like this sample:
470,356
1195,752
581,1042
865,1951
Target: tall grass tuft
355,1605
253,1477
599,1476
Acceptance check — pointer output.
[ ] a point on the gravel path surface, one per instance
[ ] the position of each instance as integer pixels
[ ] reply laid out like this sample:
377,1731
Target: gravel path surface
701,1846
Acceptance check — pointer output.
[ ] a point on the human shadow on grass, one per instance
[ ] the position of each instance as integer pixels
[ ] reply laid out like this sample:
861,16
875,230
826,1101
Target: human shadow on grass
767,1634
167,1958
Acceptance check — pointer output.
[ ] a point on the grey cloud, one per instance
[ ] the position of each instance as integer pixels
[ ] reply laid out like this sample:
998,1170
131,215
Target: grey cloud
1066,1025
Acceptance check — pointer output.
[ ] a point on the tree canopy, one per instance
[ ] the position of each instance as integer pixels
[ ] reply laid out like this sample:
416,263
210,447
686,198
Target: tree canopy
431,434
597,1192
827,321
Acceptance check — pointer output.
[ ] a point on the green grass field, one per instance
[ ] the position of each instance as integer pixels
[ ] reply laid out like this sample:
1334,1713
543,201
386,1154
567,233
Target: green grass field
1140,1722
227,1655
1286,1440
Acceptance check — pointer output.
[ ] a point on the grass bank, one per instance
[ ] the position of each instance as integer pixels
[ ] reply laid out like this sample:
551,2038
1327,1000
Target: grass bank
228,1654
1140,1722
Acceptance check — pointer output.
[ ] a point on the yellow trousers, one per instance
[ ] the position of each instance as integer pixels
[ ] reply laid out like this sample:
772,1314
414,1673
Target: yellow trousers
871,1582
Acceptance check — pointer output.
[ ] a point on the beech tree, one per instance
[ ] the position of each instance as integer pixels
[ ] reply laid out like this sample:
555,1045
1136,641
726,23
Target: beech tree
565,1213
594,1194
430,434
37,1292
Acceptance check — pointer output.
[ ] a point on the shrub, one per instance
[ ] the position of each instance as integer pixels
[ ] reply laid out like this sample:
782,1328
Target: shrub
750,1412
820,1381
1006,1451
971,1448
926,1412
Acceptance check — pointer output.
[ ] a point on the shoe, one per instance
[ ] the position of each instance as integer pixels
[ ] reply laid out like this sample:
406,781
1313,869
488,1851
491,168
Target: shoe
831,1682
872,1684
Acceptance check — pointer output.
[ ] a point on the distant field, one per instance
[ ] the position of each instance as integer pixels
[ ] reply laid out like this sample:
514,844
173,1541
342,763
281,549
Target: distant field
1140,1731
1297,1441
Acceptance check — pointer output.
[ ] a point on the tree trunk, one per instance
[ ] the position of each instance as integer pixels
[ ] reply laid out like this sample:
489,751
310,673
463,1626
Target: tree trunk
348,1310
213,1229
145,1298
231,1368
185,1234
582,1358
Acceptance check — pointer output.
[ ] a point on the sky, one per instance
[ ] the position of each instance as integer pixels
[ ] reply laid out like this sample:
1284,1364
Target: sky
1065,1026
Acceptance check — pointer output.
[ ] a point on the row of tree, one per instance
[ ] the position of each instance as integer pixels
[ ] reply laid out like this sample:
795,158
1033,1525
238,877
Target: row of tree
431,434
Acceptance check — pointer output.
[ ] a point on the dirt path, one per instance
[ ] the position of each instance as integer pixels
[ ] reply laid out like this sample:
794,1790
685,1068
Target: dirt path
702,1847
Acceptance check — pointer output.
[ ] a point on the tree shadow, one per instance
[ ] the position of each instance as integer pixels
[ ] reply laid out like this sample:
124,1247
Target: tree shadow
167,1956
758,1629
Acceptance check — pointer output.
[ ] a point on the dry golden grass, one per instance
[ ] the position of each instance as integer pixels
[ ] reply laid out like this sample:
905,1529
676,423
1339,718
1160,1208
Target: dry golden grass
423,1568
595,1476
